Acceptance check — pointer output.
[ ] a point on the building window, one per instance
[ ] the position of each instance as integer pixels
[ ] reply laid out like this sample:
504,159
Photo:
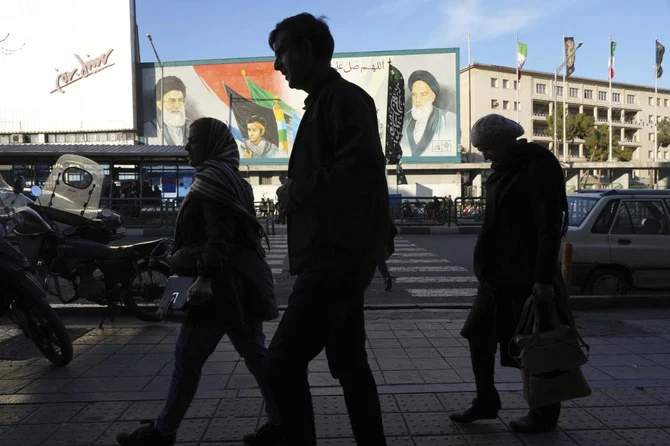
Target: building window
494,103
541,88
559,91
517,106
494,82
651,154
658,101
630,99
665,102
516,85
616,97
602,95
505,105
574,92
265,179
651,119
651,101
505,83
665,155
651,137
588,94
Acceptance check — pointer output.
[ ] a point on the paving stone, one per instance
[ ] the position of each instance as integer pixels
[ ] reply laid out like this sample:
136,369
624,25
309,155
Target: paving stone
422,352
442,440
631,397
390,353
14,413
193,430
388,364
101,411
618,360
229,428
381,334
597,438
388,403
9,386
494,439
576,419
27,372
662,394
440,376
595,374
239,407
596,399
430,364
377,326
330,405
658,415
429,423
46,386
418,402
661,359
384,343
54,413
482,427
649,348
108,438
414,342
77,433
403,377
394,424
27,434
646,437
513,400
553,438
454,401
202,408
158,384
619,417
445,342
333,426
143,410
340,442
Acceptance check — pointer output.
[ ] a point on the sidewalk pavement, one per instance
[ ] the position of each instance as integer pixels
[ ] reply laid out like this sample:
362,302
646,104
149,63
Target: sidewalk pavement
120,375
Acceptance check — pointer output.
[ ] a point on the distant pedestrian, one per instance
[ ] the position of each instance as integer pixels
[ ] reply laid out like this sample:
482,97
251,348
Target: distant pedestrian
218,240
516,255
385,254
333,240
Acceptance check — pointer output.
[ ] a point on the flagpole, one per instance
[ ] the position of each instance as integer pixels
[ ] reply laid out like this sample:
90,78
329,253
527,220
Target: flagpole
609,114
656,104
469,101
518,79
565,115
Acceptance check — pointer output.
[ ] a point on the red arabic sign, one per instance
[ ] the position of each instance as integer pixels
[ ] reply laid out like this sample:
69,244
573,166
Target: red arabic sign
87,68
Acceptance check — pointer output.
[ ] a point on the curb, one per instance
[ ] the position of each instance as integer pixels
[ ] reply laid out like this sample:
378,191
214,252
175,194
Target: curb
583,303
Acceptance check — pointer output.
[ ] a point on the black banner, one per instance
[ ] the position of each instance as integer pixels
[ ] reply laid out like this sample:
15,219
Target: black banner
244,108
660,51
395,113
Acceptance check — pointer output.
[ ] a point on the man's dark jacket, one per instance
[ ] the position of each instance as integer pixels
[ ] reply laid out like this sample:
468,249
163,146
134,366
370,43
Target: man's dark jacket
339,182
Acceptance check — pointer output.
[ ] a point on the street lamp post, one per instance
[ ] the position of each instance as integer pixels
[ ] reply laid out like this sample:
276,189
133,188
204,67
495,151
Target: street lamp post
559,68
162,97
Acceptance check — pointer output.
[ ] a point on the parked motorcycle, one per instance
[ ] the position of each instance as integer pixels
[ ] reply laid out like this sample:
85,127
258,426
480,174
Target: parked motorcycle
73,260
21,295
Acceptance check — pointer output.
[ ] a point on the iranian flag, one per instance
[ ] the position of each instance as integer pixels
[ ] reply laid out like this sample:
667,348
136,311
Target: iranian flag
521,55
610,64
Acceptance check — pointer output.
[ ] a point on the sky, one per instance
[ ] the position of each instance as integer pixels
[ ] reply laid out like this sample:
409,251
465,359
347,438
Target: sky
222,29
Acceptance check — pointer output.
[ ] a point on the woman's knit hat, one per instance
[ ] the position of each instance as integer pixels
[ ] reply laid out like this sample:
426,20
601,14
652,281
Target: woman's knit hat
494,130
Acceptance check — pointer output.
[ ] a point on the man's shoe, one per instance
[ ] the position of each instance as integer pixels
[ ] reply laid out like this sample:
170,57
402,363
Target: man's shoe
478,411
389,283
527,425
146,435
268,434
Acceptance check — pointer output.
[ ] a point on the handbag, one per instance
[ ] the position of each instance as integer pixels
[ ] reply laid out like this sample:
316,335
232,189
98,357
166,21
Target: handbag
550,388
174,300
557,349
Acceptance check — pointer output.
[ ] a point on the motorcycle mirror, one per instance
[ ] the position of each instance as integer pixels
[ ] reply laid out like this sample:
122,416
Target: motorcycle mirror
106,212
19,185
36,191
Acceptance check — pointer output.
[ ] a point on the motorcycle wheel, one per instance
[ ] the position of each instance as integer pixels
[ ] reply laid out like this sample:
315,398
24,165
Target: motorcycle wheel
145,292
42,325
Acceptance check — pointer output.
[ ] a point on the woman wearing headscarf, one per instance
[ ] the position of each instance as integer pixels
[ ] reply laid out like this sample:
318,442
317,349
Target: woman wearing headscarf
218,240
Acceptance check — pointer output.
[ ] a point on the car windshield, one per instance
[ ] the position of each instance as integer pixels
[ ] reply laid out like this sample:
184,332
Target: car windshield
579,208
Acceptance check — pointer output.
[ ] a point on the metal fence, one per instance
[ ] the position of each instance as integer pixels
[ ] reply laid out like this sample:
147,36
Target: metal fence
469,211
421,211
151,212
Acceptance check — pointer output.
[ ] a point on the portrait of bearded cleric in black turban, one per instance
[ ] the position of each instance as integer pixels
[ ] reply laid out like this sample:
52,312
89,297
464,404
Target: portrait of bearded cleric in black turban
427,129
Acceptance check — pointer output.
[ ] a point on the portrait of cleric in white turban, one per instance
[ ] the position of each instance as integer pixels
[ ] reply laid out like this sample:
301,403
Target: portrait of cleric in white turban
427,130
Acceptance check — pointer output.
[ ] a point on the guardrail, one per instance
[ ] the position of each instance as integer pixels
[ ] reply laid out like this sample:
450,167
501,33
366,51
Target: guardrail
469,211
421,211
144,212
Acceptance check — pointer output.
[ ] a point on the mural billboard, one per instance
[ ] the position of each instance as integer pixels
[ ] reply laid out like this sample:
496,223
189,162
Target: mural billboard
264,113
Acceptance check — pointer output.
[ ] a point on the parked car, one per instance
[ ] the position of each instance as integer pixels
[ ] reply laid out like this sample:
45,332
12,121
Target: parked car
621,240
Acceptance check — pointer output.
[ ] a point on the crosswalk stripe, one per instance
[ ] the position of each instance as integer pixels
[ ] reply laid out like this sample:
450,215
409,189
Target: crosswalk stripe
276,270
437,279
442,292
421,269
392,260
414,254
275,262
